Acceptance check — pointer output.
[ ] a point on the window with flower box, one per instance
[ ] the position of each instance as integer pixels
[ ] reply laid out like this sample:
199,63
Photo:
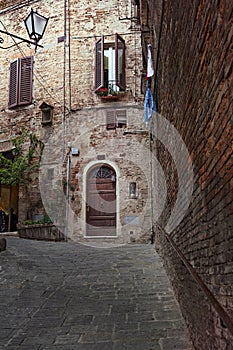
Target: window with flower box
20,84
110,64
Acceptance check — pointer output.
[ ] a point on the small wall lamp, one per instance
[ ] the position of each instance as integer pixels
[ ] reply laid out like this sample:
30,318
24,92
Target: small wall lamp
35,25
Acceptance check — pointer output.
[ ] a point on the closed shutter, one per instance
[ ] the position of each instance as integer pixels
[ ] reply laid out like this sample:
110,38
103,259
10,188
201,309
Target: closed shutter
121,118
25,81
120,62
111,119
13,84
20,85
99,64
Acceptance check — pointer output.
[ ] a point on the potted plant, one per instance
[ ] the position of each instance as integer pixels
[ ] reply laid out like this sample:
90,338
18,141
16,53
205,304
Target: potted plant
107,93
42,229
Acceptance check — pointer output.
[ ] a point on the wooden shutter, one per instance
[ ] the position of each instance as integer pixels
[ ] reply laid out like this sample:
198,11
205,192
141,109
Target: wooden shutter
99,64
13,84
111,119
121,118
25,81
120,62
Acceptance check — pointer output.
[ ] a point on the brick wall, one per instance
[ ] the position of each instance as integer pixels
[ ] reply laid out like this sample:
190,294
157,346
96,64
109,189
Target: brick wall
193,90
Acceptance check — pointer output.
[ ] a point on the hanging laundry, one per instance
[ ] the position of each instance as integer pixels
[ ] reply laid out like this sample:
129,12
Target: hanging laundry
150,68
149,106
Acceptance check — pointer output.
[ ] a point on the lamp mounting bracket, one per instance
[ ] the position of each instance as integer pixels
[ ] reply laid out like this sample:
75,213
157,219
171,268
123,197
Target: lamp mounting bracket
16,37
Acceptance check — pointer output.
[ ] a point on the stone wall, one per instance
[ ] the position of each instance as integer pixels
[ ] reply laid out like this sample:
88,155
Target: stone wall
193,90
123,149
64,78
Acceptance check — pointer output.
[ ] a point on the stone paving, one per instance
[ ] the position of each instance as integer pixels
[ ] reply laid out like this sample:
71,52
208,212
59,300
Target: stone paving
67,296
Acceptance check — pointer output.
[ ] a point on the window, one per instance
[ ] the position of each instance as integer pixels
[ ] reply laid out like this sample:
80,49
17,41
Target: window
116,119
20,85
132,189
110,64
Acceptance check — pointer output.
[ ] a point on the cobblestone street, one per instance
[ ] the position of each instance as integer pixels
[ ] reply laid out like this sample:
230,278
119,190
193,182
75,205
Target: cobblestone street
70,296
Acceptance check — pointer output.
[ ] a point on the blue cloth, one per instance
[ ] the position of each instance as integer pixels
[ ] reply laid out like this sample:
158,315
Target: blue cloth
149,106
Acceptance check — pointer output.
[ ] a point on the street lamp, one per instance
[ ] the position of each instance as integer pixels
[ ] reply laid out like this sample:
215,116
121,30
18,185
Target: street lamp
35,25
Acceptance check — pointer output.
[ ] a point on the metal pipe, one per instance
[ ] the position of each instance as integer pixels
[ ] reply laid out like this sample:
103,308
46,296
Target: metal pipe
64,85
69,54
67,190
157,58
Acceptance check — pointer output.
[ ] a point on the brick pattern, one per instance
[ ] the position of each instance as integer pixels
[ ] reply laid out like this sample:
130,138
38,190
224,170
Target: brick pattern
193,89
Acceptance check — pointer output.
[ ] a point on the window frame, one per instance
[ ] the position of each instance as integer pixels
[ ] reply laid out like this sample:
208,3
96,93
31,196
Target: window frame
99,62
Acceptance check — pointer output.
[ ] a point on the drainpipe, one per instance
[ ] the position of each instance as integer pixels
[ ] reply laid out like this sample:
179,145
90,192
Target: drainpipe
69,53
151,185
151,126
157,56
64,85
67,190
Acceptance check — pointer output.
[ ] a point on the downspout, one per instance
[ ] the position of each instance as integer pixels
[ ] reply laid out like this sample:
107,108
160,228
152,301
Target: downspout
157,57
64,85
151,130
67,191
69,54
150,133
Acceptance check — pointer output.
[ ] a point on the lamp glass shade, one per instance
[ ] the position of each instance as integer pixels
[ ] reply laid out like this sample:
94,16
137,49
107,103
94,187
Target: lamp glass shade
40,23
28,24
35,25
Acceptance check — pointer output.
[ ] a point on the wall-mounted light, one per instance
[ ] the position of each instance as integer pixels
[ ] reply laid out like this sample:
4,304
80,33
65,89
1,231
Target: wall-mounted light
35,25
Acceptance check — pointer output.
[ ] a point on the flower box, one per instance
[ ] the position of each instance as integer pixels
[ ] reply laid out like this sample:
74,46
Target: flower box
44,232
109,98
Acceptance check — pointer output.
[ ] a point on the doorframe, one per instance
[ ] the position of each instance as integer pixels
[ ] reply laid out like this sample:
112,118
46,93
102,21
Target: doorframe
88,168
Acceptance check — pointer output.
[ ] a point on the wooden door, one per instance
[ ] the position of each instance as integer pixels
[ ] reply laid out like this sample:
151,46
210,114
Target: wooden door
101,202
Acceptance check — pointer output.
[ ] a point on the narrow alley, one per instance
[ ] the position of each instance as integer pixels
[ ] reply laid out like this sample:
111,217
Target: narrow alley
69,296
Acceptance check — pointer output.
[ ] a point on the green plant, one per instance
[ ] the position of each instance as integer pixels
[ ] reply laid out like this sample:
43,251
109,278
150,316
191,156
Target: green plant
14,171
45,220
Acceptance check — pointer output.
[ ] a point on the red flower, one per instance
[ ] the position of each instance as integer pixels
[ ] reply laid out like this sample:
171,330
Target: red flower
102,91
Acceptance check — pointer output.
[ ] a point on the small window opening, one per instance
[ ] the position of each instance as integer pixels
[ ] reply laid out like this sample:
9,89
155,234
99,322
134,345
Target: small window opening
132,189
47,113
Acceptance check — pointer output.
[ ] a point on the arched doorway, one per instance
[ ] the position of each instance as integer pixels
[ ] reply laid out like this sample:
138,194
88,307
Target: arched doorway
101,202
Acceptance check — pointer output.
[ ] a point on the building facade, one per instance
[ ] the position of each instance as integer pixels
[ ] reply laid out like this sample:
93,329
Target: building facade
95,169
